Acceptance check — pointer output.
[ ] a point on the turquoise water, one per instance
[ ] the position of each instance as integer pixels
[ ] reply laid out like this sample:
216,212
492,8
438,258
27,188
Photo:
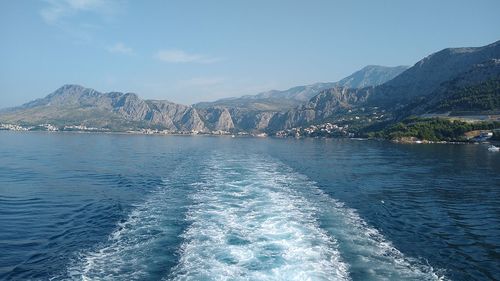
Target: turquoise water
126,207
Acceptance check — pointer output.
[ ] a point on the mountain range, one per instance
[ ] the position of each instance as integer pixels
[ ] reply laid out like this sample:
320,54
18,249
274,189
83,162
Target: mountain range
451,80
439,78
276,100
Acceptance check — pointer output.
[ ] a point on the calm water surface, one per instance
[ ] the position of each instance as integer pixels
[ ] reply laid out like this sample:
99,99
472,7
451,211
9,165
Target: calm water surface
126,207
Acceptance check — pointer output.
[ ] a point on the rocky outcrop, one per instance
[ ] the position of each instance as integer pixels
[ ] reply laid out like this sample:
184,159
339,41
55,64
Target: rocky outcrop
192,122
131,107
250,120
224,122
217,118
323,106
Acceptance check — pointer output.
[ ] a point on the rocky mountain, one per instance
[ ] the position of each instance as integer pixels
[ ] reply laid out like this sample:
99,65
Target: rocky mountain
76,105
276,100
451,79
477,89
371,75
334,101
428,74
460,79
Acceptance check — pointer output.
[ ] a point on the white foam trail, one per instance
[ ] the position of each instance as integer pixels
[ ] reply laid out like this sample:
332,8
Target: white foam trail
136,249
256,219
249,219
369,254
244,226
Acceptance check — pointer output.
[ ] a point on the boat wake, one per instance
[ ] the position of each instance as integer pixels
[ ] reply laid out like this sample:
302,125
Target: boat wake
142,246
257,219
245,226
251,218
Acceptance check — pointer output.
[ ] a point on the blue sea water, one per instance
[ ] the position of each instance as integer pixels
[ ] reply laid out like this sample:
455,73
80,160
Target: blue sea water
132,207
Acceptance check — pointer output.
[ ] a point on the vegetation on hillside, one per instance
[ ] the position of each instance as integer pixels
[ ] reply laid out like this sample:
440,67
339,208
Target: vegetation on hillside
483,96
431,129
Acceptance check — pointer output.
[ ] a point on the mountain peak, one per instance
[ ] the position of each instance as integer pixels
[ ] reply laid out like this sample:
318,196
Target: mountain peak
371,75
71,86
70,90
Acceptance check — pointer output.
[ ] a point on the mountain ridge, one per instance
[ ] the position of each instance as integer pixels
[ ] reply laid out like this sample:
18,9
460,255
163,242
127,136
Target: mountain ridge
279,100
427,74
453,73
398,96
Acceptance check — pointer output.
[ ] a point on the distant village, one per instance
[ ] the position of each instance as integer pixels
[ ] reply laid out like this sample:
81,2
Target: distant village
144,131
322,130
50,128
327,130
194,132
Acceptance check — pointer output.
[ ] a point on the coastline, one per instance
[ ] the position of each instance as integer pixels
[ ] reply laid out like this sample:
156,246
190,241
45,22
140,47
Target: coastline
249,135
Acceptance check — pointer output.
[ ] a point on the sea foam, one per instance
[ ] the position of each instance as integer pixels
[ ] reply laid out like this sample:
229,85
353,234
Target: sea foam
246,218
143,243
245,226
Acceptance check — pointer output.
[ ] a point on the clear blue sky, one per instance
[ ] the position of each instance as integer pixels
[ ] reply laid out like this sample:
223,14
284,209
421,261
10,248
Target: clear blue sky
188,51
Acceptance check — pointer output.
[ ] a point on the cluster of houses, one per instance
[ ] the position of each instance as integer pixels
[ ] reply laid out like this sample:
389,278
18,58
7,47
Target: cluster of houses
169,132
12,127
40,127
146,131
83,128
47,127
50,128
322,130
194,132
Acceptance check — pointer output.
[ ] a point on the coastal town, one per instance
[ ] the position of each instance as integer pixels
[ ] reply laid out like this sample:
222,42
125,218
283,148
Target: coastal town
145,131
326,130
50,128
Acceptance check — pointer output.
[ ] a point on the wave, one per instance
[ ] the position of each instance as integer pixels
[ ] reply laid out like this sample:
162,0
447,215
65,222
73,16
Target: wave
141,245
246,218
254,218
243,226
369,254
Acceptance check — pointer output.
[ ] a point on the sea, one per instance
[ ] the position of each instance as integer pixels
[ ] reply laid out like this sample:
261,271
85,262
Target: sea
82,206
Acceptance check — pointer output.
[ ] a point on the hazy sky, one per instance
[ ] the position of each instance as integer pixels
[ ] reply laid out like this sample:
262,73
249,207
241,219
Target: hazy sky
188,51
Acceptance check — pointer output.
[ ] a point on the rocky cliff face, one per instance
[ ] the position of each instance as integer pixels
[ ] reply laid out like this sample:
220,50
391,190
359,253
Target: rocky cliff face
217,118
326,104
249,120
74,104
130,106
302,104
191,121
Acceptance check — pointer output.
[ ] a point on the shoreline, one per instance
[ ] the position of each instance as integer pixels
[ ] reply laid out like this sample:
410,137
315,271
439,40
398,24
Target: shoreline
133,133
